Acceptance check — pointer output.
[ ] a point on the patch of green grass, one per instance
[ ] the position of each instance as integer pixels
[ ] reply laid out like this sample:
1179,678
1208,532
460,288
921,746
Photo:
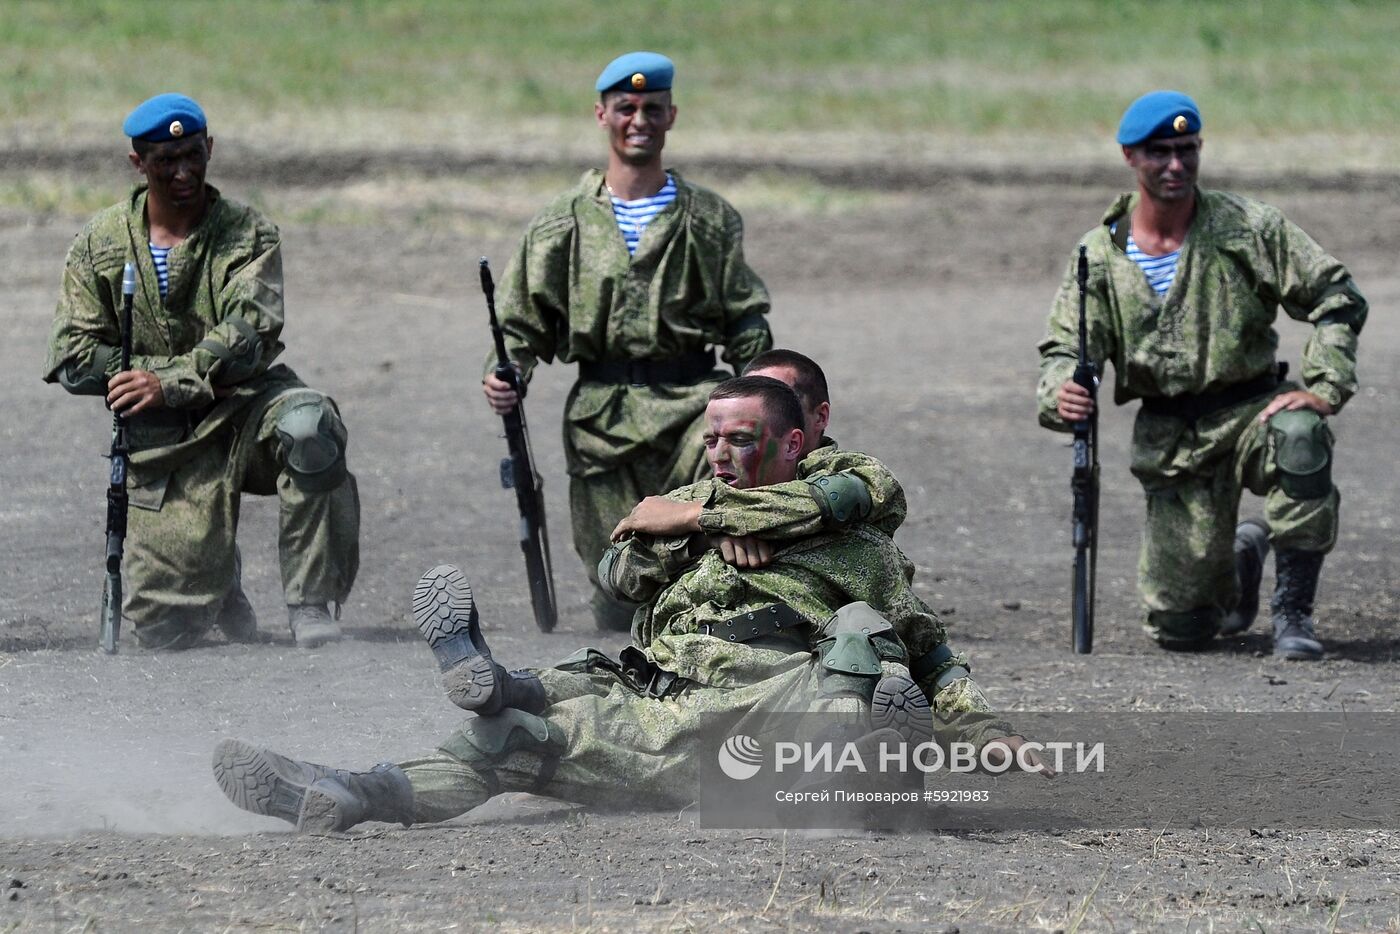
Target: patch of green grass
39,193
408,71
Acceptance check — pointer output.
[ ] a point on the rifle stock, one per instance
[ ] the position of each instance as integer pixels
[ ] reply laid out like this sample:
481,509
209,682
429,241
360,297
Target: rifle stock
1084,481
110,624
518,473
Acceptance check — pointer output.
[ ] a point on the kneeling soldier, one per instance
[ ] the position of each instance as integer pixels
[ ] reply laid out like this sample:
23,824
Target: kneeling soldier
211,416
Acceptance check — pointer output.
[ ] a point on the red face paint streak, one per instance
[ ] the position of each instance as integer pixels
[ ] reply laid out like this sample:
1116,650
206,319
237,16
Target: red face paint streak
734,446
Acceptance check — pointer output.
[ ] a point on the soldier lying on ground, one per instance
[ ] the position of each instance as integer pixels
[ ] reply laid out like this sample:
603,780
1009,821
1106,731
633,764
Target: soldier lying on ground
635,731
211,416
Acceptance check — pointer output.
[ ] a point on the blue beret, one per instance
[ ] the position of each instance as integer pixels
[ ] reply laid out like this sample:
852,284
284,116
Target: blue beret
637,71
164,117
1158,113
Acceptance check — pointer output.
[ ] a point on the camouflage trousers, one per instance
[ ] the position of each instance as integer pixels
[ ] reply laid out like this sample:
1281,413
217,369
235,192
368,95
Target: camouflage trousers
179,564
1186,570
597,503
608,743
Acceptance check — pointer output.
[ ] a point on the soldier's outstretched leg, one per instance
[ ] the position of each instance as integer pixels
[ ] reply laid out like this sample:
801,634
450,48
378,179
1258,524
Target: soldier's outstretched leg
446,615
1251,548
1296,588
314,798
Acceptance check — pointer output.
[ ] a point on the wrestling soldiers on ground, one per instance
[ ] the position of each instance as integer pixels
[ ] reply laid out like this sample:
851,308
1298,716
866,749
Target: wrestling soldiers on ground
636,731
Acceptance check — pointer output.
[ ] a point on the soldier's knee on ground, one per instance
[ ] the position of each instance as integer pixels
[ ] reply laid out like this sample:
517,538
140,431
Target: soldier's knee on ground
1303,453
313,439
485,743
1184,630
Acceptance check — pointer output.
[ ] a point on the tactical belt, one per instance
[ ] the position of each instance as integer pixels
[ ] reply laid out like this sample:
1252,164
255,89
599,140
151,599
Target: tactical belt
774,619
681,370
1193,406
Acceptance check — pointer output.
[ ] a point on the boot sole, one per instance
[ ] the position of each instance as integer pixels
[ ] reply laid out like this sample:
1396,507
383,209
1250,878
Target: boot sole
471,685
260,781
322,810
899,705
444,611
442,607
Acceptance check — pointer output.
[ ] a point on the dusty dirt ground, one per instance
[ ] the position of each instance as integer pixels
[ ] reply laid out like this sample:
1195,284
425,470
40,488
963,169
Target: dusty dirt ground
923,293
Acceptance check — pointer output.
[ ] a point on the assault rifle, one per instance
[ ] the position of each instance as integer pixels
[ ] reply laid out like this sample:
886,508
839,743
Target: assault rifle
1084,481
518,473
111,621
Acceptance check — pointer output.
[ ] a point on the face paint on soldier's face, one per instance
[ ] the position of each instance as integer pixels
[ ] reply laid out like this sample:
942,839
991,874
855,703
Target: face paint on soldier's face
738,444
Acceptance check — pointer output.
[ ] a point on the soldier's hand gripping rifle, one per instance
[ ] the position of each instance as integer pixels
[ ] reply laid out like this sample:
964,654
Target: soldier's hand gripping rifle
1085,481
518,473
111,623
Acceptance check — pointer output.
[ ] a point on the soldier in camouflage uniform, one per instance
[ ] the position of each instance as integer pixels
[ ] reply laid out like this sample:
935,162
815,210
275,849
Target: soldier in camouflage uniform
833,489
635,731
1184,287
210,414
639,317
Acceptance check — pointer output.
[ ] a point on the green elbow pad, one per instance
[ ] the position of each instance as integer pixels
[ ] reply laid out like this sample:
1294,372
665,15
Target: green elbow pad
236,361
1303,453
82,382
843,499
90,380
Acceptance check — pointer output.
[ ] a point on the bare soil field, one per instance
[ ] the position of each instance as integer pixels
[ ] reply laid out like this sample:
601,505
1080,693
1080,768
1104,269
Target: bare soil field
923,292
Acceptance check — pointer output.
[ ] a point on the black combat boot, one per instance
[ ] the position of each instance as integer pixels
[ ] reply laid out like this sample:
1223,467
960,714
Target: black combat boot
313,797
446,614
1292,604
1251,548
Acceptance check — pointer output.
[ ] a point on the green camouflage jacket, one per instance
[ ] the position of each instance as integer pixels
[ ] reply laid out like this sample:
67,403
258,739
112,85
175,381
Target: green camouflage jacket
573,292
219,326
1241,262
792,509
686,584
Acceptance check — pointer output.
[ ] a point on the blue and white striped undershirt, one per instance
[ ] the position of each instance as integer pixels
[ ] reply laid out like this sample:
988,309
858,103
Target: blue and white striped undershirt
633,216
1160,270
158,256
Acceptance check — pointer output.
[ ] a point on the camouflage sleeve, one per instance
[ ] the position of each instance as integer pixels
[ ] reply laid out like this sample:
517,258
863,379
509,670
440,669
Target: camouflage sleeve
746,301
638,568
533,298
245,340
1312,286
85,338
799,508
962,713
1059,348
